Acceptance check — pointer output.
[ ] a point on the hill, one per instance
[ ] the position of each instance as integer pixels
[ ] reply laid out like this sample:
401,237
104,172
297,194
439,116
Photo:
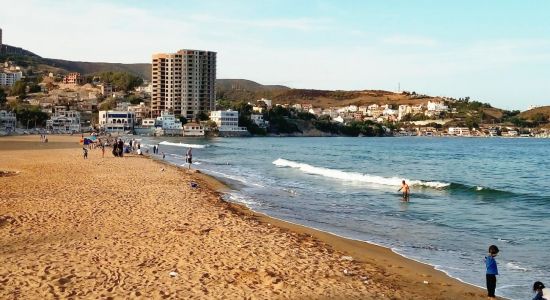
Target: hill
536,113
141,70
244,84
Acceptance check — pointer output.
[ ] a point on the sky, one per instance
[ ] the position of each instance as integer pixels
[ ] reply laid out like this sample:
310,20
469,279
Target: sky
495,51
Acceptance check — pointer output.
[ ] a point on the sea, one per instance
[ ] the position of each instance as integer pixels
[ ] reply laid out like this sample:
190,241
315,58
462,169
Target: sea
466,194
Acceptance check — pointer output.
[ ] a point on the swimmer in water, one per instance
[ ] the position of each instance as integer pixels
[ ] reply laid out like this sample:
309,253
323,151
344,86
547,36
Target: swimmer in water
406,190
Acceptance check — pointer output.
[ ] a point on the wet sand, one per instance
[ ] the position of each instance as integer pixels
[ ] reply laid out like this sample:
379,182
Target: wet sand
132,227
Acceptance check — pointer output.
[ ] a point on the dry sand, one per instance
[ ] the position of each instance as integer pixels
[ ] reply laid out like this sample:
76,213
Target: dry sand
117,227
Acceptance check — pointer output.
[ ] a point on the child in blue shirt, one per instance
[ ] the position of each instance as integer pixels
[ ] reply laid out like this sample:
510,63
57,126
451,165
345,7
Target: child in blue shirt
492,271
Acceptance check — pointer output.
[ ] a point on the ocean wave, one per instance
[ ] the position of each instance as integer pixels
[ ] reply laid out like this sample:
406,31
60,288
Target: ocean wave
515,266
354,176
166,143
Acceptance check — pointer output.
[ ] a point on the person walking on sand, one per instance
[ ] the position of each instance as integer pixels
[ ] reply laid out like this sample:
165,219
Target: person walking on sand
537,288
406,190
189,157
85,152
491,271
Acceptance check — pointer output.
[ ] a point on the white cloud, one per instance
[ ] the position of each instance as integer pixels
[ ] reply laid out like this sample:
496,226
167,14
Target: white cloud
405,40
304,24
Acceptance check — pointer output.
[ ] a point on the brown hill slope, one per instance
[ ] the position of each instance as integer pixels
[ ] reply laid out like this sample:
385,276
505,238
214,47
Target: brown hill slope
141,70
536,112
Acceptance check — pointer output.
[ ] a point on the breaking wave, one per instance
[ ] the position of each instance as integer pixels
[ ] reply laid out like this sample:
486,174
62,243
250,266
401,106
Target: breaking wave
183,145
354,176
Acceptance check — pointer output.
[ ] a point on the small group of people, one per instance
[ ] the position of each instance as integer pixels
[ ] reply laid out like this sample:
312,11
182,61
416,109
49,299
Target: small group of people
155,149
43,138
118,148
491,272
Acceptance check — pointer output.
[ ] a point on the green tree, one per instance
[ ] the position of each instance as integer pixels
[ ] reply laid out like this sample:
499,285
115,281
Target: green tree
202,116
30,115
19,89
2,97
121,81
108,104
34,88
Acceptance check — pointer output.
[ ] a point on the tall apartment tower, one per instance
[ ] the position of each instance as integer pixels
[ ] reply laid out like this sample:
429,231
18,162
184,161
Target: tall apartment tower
183,82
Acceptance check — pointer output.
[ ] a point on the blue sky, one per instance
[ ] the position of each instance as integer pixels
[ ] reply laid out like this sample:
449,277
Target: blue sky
491,51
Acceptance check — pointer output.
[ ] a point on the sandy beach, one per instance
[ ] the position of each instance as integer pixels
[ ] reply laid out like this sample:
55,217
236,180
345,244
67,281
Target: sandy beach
133,227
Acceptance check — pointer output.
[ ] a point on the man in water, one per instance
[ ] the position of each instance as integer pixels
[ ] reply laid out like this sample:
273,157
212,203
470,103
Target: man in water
405,188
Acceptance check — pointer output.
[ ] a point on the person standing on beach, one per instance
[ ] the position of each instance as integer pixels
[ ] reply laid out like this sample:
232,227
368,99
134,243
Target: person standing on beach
406,190
491,271
85,152
189,157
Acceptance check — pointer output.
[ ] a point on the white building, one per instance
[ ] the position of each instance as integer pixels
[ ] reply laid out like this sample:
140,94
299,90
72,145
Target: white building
149,122
8,78
315,111
352,108
8,121
168,120
437,106
258,120
227,120
389,112
193,129
339,119
403,110
116,121
459,131
64,121
266,101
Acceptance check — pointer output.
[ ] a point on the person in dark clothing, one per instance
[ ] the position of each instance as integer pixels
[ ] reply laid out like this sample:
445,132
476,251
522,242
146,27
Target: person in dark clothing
120,148
491,271
85,152
115,149
537,288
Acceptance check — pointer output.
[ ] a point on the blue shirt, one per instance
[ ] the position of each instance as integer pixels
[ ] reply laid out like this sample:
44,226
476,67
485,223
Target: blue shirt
491,265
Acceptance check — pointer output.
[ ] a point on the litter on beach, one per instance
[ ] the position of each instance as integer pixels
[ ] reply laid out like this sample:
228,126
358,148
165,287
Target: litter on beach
173,274
194,184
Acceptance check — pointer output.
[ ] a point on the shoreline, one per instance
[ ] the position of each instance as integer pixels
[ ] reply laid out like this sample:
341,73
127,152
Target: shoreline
359,250
309,252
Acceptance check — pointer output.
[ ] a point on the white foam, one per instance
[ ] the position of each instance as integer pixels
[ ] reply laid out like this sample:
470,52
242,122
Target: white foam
354,176
183,145
513,266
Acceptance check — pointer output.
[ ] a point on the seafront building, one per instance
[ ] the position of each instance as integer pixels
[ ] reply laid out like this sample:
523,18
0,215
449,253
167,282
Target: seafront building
459,131
193,129
116,121
64,121
183,83
259,120
8,121
227,120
